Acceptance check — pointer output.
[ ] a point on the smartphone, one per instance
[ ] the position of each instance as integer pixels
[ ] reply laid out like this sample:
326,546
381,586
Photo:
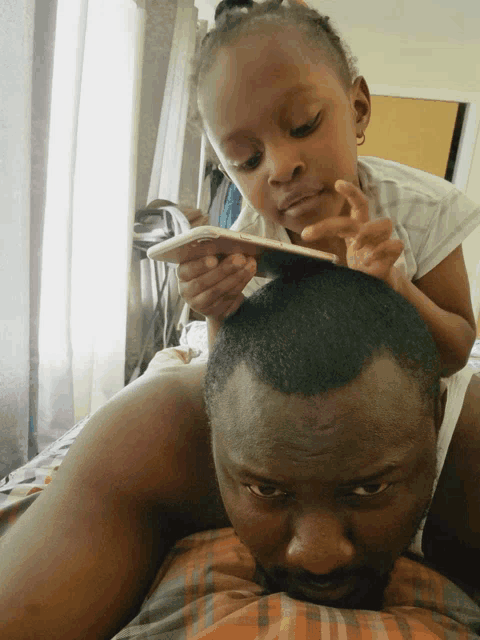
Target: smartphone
273,257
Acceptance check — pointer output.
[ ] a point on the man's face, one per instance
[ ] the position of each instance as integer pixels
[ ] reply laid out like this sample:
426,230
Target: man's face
325,491
280,120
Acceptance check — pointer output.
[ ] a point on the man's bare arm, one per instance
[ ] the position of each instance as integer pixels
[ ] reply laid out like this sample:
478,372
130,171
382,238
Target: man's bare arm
453,527
80,561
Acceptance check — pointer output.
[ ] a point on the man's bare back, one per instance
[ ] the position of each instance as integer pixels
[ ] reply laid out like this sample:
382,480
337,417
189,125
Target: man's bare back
139,478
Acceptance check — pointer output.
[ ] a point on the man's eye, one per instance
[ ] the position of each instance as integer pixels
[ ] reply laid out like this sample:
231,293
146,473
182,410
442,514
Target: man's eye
371,489
265,491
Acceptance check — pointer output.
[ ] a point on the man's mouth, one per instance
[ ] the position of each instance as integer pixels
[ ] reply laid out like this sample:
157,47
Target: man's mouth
360,589
323,592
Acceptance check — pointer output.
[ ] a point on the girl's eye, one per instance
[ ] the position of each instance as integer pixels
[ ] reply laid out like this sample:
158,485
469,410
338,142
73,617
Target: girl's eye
371,489
306,128
251,163
301,132
265,491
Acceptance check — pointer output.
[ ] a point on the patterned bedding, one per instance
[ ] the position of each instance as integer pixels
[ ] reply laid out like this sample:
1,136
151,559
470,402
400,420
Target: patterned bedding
205,590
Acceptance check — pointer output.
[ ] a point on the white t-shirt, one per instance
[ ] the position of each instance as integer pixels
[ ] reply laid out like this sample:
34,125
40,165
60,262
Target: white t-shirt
431,216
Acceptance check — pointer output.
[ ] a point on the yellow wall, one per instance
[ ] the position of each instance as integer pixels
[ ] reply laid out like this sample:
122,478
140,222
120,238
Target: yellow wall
417,133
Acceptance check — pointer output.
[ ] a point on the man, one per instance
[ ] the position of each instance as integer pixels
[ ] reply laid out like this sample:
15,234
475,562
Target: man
324,404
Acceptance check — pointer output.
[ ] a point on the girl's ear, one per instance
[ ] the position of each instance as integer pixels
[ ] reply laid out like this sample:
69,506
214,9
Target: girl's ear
361,104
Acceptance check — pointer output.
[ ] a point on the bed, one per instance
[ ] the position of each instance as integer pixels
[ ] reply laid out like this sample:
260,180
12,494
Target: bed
205,587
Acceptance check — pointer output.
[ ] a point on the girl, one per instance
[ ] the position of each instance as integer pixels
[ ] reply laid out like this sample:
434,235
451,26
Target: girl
282,105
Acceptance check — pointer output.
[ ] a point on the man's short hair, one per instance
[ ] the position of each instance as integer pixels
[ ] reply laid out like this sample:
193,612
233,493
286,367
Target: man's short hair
316,331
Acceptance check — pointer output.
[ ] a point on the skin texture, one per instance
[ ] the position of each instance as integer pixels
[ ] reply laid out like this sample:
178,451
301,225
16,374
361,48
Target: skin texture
69,583
295,477
281,120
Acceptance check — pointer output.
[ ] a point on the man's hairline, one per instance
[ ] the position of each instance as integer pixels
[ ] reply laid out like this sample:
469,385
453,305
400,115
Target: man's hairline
381,352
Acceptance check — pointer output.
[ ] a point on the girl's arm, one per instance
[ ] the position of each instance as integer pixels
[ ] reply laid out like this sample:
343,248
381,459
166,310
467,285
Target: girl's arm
442,296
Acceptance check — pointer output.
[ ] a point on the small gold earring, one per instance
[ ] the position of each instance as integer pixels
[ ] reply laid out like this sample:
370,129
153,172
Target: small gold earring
359,144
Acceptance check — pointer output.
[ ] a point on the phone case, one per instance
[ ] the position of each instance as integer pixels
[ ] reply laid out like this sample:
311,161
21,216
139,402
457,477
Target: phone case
273,257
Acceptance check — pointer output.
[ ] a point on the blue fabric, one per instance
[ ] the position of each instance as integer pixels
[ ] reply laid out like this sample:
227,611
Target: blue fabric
231,207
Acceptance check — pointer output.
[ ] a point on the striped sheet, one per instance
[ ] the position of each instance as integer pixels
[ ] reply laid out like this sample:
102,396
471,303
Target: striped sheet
21,487
205,591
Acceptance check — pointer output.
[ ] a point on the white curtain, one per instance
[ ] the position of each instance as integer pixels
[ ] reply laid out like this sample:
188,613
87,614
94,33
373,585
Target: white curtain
90,194
169,168
69,73
94,102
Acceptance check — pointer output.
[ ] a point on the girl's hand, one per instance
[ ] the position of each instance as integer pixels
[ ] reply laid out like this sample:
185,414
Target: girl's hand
214,288
370,247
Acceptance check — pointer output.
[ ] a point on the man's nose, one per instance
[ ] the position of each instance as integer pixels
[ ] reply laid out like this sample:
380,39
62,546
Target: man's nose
319,545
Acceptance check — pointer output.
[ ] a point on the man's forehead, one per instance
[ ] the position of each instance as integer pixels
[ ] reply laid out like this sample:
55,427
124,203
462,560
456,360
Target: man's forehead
380,408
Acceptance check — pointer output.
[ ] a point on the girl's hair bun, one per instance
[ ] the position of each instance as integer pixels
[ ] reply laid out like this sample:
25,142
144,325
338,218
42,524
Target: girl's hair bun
226,6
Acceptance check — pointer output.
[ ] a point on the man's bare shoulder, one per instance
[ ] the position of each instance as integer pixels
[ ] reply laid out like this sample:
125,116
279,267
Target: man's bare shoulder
151,442
453,526
137,479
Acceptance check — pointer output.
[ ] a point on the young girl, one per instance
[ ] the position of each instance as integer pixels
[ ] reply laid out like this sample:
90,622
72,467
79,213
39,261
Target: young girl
282,105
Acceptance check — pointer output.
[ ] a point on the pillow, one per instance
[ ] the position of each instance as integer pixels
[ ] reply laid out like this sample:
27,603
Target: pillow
204,590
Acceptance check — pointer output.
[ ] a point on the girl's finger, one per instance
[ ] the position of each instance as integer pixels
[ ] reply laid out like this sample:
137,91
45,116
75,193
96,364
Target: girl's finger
187,271
356,199
231,265
205,299
388,251
341,227
374,233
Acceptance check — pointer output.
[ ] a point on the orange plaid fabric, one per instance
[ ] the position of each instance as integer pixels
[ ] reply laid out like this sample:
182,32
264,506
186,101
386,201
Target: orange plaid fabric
205,588
205,591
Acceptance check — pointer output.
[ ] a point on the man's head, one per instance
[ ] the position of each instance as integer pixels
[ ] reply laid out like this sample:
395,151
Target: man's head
322,393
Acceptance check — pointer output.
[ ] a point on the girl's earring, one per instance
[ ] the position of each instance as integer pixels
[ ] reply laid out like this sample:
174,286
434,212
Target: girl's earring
359,144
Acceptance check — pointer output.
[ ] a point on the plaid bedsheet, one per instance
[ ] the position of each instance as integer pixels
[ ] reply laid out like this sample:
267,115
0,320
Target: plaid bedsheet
204,591
20,488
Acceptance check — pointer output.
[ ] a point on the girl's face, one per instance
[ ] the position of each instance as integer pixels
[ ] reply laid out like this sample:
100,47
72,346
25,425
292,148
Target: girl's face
283,125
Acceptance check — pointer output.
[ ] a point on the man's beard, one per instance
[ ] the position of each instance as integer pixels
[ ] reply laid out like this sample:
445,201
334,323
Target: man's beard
368,591
370,583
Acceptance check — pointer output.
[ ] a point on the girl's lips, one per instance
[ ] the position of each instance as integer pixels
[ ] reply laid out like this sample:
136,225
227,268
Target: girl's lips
304,205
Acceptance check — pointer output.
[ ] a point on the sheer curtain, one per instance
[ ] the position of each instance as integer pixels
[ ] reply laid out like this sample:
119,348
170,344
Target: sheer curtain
69,83
90,191
94,103
169,166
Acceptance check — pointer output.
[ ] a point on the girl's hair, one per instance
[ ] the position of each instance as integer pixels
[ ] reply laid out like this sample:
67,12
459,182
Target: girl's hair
234,18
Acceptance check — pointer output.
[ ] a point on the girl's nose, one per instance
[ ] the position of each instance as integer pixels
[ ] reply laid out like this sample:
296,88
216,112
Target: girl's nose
284,164
319,545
